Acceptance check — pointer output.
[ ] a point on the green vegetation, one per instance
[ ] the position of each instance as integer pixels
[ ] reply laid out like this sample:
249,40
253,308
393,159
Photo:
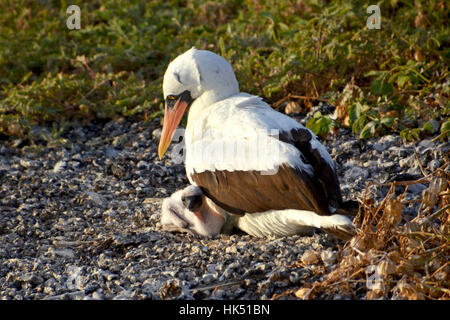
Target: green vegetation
392,79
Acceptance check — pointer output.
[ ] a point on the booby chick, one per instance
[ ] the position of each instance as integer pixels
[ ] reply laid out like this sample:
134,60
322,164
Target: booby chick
245,159
187,211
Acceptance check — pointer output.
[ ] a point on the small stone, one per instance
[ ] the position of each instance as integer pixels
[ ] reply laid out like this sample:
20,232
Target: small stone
218,293
328,257
389,139
435,125
111,153
416,188
91,287
433,165
380,146
77,157
32,278
400,151
172,289
18,143
59,166
158,170
414,171
77,295
208,278
229,271
96,198
29,163
293,107
294,277
309,257
156,134
427,143
196,249
302,293
349,146
444,147
356,173
350,163
142,165
65,253
73,164
231,249
119,141
211,267
124,295
406,162
372,163
388,164
98,295
109,276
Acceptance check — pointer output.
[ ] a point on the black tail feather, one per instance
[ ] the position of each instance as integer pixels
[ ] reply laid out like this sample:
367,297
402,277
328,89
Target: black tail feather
348,208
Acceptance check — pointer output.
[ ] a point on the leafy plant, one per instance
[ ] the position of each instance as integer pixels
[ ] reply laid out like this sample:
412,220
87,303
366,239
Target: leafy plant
113,65
320,124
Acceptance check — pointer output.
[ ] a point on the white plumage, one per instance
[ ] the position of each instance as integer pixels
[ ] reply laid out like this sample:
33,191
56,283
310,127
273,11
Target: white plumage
282,223
234,134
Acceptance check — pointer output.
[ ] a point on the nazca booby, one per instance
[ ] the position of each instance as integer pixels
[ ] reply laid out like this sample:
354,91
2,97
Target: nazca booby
244,159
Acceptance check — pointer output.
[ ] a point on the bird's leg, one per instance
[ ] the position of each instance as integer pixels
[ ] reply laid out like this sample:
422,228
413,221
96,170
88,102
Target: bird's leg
188,211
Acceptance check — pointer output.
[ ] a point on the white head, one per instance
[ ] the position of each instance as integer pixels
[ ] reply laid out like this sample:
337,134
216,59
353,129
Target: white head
196,76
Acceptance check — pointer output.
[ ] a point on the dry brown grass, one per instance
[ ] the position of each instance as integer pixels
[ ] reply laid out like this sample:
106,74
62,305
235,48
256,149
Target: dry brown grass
390,260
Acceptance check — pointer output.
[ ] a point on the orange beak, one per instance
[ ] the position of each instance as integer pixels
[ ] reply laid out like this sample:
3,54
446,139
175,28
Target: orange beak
172,117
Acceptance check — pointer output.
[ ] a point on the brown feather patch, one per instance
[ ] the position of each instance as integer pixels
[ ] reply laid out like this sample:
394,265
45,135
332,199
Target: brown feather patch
249,191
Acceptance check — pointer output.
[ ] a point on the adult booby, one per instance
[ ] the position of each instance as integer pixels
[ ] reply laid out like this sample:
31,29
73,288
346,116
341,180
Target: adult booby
244,158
